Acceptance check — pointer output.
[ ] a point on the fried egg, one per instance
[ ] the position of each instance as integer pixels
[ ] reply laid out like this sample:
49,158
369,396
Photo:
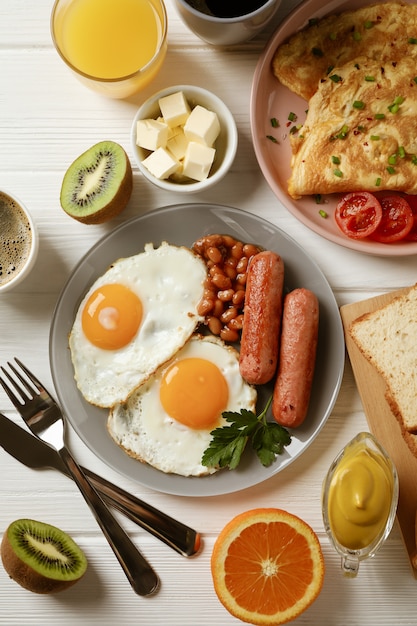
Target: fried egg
167,421
133,319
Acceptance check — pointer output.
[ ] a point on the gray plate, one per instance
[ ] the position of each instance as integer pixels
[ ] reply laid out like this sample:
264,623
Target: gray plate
181,225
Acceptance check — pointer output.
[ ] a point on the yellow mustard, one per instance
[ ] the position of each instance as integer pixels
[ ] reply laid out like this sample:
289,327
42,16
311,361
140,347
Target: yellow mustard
360,495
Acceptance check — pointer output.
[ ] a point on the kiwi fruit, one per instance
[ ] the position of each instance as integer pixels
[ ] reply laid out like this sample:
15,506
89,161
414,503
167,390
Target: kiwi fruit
97,186
41,557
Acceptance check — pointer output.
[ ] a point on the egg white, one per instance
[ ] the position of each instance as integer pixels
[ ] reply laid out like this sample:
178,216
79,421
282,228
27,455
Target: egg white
169,281
146,432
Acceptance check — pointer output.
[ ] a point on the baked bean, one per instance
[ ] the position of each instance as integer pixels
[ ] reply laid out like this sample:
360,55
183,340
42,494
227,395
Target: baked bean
237,250
242,265
229,335
227,261
205,306
214,255
236,323
230,272
241,278
231,262
218,308
249,250
228,241
228,314
238,297
221,281
226,295
214,324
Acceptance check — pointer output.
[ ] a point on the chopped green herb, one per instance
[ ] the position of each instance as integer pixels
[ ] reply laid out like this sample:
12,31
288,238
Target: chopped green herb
414,159
356,35
392,160
272,138
370,79
361,128
377,182
395,106
415,79
338,173
375,137
336,78
274,122
292,117
318,198
412,40
401,152
323,213
368,24
313,21
335,160
228,442
343,132
358,104
390,170
332,36
379,116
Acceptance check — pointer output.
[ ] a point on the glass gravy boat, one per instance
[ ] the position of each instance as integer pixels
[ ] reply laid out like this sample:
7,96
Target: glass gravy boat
359,501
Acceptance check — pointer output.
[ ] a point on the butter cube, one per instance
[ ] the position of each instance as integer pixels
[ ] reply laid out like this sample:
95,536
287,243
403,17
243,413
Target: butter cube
177,143
198,161
161,164
202,126
175,109
151,134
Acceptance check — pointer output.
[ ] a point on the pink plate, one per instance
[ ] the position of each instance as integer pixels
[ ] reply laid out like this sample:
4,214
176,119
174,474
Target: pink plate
270,99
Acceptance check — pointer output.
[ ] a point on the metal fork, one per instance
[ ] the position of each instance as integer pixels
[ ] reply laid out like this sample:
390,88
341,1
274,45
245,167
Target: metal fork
46,421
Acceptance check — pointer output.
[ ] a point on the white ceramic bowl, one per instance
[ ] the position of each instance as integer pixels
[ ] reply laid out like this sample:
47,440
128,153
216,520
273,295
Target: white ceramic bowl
24,230
225,145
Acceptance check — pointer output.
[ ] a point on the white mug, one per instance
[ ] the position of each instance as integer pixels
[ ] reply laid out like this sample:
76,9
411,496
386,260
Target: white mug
224,31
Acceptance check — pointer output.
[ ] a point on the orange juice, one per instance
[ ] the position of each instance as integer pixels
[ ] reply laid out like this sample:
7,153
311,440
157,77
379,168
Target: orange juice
109,39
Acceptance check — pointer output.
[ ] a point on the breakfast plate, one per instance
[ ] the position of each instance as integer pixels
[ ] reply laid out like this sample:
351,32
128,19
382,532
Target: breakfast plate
270,100
183,224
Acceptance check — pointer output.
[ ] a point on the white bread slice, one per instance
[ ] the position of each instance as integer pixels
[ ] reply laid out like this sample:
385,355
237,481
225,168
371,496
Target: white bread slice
387,337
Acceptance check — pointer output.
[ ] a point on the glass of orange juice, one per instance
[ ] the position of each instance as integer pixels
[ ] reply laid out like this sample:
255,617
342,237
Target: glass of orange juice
116,47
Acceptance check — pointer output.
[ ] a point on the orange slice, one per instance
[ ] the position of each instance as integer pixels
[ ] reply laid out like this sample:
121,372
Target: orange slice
267,566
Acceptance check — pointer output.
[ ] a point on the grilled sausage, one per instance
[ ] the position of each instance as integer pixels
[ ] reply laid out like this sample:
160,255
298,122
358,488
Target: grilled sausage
259,343
299,336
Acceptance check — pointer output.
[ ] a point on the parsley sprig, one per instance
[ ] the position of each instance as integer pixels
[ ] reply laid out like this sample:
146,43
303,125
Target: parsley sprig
229,442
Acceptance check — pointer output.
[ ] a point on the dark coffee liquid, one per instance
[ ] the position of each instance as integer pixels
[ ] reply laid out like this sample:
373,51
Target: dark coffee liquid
15,238
226,8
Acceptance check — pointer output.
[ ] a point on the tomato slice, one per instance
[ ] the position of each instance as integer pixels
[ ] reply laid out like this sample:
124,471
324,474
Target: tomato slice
358,214
397,220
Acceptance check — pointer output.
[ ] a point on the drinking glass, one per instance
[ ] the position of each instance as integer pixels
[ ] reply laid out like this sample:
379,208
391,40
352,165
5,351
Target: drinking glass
114,47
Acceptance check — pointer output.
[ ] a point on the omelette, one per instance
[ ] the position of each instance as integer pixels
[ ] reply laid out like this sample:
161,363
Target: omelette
360,131
378,31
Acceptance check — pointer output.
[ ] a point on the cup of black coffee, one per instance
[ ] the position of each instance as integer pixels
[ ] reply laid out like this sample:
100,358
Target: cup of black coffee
226,22
18,241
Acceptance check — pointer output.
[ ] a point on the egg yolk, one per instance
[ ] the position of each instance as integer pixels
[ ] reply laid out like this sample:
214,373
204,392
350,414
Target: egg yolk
111,316
194,392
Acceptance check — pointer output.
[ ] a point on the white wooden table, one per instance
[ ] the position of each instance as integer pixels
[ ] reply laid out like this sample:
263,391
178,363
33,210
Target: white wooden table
46,119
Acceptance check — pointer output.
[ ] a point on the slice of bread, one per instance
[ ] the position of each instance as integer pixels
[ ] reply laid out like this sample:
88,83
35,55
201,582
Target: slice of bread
387,337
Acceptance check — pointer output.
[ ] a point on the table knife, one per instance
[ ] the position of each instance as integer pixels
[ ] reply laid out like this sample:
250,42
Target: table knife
36,454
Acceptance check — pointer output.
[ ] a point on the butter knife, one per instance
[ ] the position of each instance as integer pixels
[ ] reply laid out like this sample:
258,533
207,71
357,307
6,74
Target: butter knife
36,454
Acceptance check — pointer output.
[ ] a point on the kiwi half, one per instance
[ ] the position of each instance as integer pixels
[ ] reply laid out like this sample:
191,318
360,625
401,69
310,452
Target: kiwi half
98,184
41,557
